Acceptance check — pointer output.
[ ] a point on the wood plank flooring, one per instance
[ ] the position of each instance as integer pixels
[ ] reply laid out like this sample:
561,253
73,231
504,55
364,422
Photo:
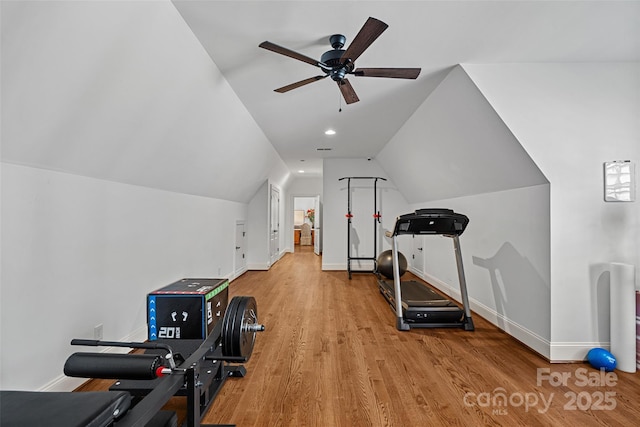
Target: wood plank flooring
331,356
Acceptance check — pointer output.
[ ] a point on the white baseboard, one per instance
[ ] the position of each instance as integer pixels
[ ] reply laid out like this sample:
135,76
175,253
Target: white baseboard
64,383
563,352
258,266
238,273
532,340
366,265
334,267
529,338
264,266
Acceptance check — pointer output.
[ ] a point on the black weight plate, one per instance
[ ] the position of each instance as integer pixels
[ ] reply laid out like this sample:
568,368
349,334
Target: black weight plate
227,326
234,327
237,340
249,316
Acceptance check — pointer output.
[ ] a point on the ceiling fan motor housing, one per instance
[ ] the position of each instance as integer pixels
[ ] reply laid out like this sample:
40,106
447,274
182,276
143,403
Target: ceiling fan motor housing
337,41
332,58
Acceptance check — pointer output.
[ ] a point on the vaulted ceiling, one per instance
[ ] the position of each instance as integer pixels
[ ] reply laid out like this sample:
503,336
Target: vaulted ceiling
433,35
177,95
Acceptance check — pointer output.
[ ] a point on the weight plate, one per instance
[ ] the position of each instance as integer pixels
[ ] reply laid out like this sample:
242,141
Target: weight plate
227,321
238,334
249,312
236,328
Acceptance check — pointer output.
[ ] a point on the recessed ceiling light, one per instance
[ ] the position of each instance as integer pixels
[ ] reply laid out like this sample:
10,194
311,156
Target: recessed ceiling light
300,171
329,132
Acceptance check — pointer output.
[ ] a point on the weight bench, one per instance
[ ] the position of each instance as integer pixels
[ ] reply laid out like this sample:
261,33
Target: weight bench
67,409
146,382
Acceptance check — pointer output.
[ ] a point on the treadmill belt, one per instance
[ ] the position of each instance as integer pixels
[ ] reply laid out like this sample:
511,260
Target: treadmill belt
415,294
423,307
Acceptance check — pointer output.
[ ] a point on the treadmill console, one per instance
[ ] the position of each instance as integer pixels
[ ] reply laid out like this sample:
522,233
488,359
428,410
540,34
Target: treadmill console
431,221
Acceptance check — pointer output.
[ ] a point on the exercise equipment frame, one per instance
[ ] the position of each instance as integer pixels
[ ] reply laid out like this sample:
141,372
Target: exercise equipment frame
376,221
198,370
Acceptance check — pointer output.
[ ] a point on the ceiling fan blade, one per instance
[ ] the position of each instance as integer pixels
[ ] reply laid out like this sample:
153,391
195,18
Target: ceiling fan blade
295,85
348,93
369,32
288,52
394,73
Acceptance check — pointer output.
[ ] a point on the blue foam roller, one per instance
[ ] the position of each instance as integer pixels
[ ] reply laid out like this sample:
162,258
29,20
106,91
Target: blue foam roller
600,358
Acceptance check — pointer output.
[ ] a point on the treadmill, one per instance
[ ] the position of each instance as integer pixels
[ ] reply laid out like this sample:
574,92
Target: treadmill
416,305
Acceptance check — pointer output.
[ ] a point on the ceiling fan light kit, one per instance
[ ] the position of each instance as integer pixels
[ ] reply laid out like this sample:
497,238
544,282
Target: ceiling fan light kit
338,63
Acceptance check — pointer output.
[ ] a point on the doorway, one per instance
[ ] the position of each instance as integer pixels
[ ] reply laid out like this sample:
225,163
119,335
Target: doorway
306,220
274,224
240,261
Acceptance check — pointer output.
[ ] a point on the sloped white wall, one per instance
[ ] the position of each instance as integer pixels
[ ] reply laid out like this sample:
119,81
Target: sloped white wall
126,160
78,252
455,152
571,118
455,145
124,91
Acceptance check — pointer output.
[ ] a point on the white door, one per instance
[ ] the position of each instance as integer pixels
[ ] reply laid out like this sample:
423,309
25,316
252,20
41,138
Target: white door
274,225
240,261
417,257
317,235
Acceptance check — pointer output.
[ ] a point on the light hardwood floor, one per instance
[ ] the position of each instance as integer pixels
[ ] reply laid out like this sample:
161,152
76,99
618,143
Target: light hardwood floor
331,356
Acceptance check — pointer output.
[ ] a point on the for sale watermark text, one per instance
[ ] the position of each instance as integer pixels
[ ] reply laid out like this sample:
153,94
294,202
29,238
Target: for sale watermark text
590,397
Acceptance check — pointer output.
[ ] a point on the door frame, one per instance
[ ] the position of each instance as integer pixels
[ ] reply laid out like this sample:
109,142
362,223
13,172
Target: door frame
274,225
241,245
290,213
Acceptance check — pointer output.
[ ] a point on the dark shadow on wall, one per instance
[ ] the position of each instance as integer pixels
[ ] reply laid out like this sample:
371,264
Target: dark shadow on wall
521,294
355,243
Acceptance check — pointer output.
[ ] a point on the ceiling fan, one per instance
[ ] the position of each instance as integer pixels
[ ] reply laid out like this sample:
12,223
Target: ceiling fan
338,63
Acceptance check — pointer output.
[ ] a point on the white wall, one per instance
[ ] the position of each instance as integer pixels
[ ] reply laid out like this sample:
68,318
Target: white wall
505,251
121,99
124,91
456,145
391,203
78,252
258,230
455,152
571,118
